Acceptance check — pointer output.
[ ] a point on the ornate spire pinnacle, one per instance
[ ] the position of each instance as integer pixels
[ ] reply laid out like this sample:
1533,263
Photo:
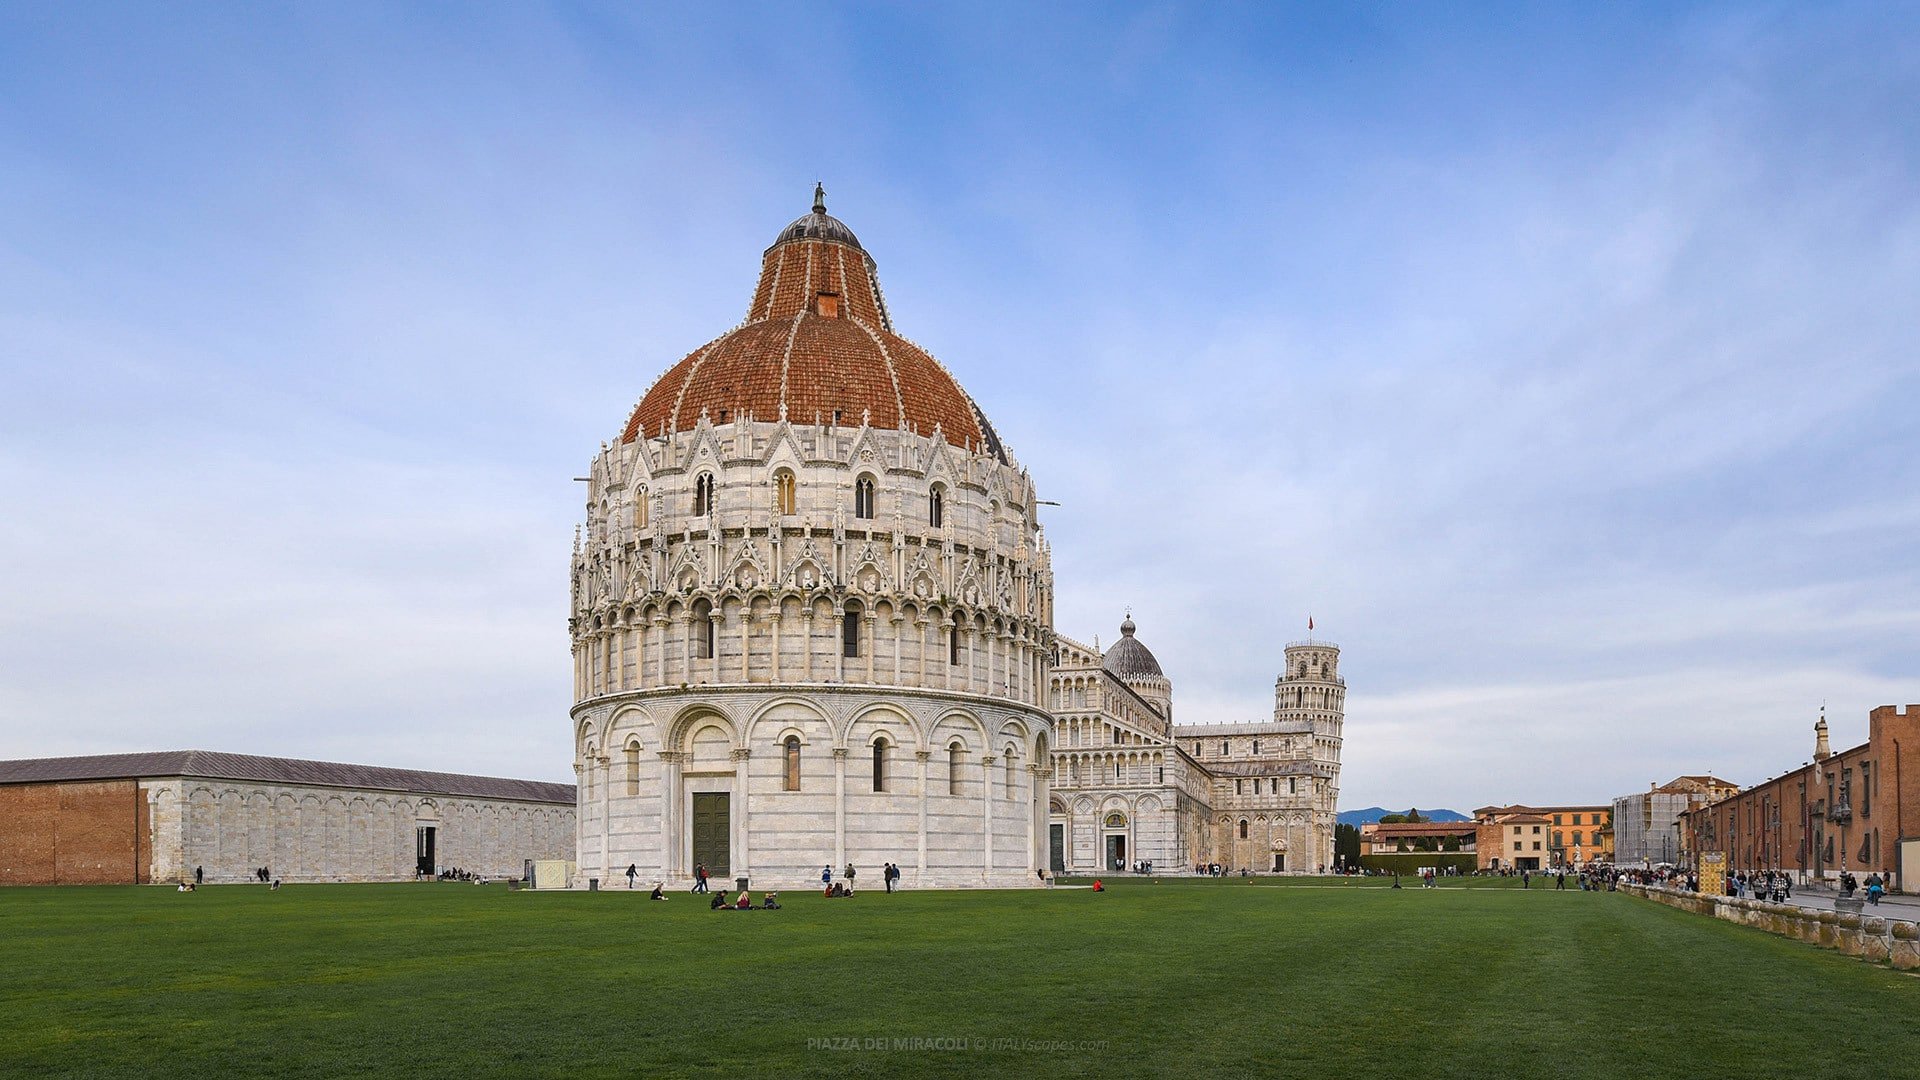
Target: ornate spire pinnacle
819,198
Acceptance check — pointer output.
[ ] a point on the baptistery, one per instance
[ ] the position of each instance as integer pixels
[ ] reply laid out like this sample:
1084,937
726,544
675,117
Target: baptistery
812,608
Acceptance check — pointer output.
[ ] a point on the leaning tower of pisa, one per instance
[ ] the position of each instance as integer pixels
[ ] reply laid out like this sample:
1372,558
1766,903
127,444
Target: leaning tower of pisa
1310,700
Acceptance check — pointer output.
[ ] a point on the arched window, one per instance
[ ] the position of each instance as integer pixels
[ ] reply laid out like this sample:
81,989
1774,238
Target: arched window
936,506
1256,748
850,631
783,491
640,508
1576,838
954,756
703,634
879,764
633,768
793,762
953,646
863,497
1226,749
1011,773
1243,828
703,494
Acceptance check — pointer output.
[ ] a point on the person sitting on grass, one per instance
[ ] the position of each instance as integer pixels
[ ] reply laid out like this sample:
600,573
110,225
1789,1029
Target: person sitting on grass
657,893
719,901
770,902
1097,886
745,903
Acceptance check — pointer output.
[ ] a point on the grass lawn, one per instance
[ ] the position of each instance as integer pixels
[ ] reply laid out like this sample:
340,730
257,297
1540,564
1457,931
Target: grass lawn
1304,978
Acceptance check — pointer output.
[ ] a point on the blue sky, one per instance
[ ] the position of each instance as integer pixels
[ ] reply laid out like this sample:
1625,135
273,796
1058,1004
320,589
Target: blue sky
1560,361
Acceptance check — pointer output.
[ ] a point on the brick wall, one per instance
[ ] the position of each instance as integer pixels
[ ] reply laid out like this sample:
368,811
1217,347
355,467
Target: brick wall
78,833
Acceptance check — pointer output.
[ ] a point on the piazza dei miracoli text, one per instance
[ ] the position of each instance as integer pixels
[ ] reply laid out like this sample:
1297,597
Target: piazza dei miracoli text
812,625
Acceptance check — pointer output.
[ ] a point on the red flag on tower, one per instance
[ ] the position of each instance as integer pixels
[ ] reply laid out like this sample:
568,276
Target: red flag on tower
1309,624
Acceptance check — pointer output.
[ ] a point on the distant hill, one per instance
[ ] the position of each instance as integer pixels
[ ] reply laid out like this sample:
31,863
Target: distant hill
1375,813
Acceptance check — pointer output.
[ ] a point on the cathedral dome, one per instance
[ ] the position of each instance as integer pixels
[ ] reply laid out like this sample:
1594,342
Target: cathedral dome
817,347
1127,659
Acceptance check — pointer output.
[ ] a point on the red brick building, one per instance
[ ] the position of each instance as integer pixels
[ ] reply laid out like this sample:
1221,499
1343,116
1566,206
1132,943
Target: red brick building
75,832
1856,810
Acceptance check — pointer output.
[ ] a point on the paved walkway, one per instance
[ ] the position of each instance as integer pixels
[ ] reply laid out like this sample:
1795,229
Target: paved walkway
1815,898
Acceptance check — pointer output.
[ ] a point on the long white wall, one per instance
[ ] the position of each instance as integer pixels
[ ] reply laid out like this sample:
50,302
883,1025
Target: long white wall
314,834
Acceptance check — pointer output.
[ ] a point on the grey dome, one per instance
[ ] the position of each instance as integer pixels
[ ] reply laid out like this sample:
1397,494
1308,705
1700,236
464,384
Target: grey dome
1128,659
818,225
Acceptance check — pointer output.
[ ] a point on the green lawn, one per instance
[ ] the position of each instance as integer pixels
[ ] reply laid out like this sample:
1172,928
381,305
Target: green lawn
1304,978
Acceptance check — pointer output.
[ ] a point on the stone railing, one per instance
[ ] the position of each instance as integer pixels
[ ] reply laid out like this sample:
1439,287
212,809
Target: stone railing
1869,937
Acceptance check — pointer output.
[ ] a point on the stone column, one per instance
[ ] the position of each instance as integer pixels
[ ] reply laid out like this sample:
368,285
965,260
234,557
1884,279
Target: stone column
923,755
669,811
746,640
606,811
1035,808
839,807
737,821
986,812
779,620
580,775
899,625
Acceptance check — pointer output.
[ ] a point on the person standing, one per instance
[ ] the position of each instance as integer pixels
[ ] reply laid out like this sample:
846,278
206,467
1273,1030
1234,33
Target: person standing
199,875
700,878
826,877
849,875
633,871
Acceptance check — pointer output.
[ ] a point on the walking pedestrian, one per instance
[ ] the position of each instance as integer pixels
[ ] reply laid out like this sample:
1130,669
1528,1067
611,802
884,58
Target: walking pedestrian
633,871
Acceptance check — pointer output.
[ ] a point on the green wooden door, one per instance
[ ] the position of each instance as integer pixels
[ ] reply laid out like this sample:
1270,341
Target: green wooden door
711,837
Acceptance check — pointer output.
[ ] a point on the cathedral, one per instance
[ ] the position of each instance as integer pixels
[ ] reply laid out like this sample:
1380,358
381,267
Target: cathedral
1130,786
812,627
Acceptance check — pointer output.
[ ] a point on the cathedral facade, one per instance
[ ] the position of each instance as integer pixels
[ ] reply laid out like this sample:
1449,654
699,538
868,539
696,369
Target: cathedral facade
1131,786
812,608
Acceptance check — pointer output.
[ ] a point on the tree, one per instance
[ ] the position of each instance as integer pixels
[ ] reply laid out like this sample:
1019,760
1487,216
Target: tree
1393,819
1346,845
1413,816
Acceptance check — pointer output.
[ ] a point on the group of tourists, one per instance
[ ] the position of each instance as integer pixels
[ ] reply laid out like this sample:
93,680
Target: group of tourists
1774,885
770,902
844,887
1876,886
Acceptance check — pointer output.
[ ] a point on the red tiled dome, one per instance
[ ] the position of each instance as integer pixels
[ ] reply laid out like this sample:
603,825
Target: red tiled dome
818,342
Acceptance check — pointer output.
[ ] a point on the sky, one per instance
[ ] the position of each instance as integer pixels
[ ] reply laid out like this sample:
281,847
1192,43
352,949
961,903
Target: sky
1559,361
